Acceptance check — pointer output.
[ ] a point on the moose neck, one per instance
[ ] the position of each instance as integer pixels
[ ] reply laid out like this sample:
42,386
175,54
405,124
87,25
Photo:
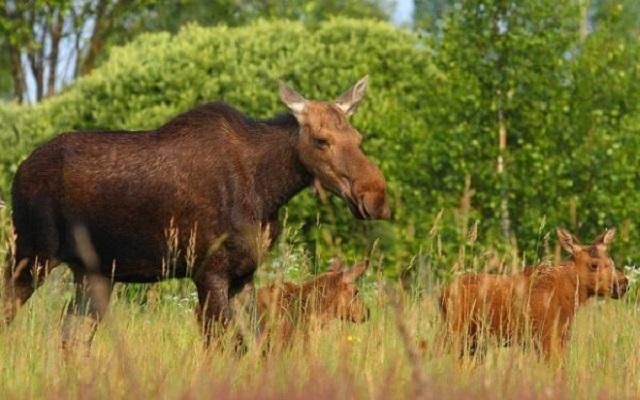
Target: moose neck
579,294
279,174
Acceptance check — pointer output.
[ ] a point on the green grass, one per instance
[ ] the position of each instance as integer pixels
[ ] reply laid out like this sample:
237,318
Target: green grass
149,347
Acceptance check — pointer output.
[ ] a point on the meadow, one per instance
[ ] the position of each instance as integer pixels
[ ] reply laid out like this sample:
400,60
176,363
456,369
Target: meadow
149,346
566,104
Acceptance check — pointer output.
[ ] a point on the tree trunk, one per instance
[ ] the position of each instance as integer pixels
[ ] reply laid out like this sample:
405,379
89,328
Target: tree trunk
504,193
15,60
502,39
56,35
35,55
584,18
37,70
17,74
95,43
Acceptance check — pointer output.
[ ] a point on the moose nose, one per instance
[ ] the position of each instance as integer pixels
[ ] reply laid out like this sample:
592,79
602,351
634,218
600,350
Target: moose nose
370,192
375,204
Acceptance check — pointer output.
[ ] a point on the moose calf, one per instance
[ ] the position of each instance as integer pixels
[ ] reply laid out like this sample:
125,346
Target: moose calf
540,300
283,307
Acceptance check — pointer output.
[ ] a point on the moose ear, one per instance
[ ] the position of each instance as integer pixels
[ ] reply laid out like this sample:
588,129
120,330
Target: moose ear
350,99
605,238
568,242
356,271
292,99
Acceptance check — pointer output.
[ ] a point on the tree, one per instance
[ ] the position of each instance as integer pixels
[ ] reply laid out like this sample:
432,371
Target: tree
427,14
48,41
621,17
6,84
170,15
506,63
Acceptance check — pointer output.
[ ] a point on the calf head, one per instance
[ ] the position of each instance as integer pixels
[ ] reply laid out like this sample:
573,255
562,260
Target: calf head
329,148
339,297
596,271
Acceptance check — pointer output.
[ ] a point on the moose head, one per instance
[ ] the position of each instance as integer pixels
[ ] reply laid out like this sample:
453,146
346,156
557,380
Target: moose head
596,271
330,149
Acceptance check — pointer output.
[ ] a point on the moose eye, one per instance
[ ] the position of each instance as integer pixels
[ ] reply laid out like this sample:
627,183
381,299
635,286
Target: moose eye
320,143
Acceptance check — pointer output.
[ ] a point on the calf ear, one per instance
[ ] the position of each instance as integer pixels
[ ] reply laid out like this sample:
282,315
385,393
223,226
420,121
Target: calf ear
568,242
356,271
350,99
292,99
336,265
605,238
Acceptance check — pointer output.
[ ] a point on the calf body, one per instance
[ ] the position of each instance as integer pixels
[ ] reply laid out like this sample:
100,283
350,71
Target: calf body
198,197
539,303
283,307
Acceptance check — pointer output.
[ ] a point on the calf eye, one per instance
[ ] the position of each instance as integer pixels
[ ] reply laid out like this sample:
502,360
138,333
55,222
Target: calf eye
320,143
593,266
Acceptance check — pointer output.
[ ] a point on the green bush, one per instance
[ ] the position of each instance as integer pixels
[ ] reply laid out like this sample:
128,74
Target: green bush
157,76
429,121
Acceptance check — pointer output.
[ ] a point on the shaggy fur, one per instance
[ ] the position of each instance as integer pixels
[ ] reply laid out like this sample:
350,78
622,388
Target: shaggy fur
539,301
284,307
198,197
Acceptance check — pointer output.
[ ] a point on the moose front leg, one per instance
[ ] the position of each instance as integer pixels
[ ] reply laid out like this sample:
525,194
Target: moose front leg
214,309
554,343
84,312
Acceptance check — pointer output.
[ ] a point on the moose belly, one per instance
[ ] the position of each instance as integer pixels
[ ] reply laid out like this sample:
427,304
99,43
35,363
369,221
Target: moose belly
125,251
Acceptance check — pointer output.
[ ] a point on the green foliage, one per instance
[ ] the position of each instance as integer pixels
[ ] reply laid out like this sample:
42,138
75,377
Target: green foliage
171,15
427,14
430,121
566,105
148,81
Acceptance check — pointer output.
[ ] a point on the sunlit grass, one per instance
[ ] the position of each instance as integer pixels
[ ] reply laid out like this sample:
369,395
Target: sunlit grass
149,346
154,350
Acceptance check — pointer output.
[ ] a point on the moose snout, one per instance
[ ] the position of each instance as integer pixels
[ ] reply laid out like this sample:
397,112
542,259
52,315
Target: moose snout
370,194
375,205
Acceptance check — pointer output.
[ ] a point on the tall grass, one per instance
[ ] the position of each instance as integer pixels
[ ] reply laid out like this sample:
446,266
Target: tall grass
149,345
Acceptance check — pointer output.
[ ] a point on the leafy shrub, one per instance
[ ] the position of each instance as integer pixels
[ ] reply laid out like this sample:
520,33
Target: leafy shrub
429,121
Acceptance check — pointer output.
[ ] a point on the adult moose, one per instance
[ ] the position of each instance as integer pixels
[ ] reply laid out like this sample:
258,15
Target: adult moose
119,206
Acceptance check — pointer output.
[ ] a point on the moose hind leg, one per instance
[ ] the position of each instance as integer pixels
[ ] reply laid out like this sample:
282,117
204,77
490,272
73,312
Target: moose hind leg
84,312
20,282
37,246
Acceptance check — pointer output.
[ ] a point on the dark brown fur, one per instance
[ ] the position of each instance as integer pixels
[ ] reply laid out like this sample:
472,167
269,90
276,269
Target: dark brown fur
198,197
541,301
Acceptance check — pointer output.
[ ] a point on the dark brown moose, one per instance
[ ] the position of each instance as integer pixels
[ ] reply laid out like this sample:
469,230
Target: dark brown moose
540,301
197,197
284,307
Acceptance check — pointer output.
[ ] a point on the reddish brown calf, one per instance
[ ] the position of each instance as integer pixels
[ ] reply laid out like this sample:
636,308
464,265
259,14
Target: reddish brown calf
541,301
283,307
